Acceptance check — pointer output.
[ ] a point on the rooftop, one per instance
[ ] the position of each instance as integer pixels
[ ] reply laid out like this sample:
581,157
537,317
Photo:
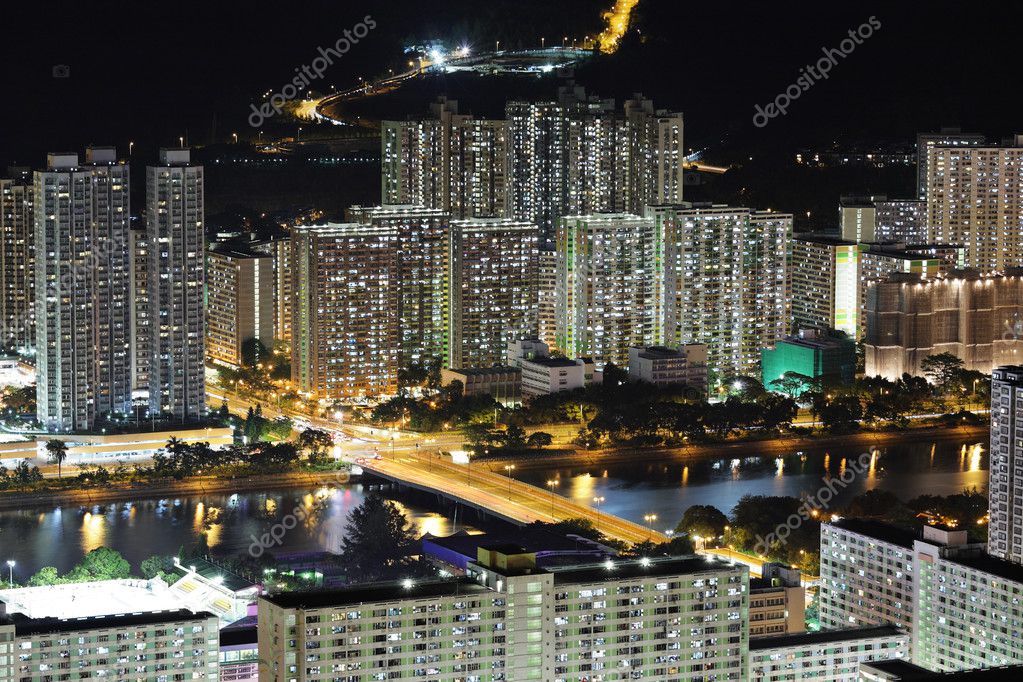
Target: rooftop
640,568
23,625
551,362
660,352
823,637
818,238
376,593
533,540
885,532
904,670
90,599
984,562
484,371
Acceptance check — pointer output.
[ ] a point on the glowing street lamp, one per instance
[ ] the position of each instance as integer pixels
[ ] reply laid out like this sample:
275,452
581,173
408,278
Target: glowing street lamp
10,568
650,518
597,501
552,484
509,468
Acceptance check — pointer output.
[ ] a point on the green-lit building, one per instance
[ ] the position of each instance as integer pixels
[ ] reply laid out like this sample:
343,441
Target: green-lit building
813,353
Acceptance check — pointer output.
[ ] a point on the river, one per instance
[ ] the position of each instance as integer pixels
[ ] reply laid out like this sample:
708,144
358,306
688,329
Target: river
61,536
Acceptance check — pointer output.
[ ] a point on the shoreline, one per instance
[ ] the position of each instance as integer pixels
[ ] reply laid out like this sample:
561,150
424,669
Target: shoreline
777,446
15,501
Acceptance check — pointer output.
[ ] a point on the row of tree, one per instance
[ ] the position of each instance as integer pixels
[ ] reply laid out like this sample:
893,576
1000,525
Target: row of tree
754,523
101,563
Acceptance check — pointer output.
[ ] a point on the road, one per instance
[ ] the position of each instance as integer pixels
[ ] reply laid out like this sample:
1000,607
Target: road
502,495
416,460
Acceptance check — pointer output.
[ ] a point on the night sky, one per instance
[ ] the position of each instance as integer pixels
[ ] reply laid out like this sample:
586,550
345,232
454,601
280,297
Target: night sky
149,71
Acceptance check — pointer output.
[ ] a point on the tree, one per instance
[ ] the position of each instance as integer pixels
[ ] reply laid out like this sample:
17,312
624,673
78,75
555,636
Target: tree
378,542
539,439
614,375
841,413
943,369
584,528
21,400
25,474
316,442
57,452
877,504
514,437
703,520
154,566
47,575
254,352
101,563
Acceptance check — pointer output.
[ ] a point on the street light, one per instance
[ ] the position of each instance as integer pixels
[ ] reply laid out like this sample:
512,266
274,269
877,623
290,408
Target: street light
597,500
552,484
509,468
650,518
10,567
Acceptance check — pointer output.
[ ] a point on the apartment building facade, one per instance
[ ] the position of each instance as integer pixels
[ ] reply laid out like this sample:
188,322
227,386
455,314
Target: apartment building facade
680,619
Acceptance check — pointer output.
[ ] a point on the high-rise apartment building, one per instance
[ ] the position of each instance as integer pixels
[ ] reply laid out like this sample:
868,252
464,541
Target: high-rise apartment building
825,655
82,288
977,318
163,645
607,286
176,282
824,282
452,162
948,137
283,300
900,220
725,284
422,276
493,283
857,218
546,295
1005,486
140,328
17,262
578,156
240,303
867,575
959,604
974,199
345,320
658,619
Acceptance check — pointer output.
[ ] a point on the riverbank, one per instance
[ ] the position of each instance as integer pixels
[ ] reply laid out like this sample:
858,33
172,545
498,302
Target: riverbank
203,485
855,442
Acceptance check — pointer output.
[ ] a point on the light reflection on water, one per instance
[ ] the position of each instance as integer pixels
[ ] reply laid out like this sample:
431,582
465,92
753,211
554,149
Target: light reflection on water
635,489
230,523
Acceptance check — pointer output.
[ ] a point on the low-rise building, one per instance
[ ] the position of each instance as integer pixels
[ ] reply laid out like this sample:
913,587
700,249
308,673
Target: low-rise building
829,655
543,374
777,602
502,383
667,366
812,353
